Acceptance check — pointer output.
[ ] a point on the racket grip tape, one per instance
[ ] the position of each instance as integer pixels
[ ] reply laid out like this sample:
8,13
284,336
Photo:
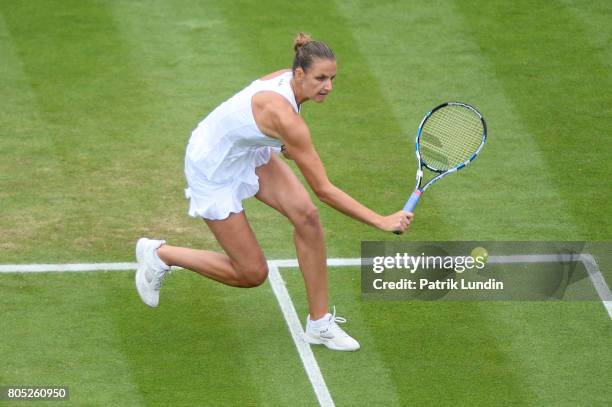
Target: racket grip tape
412,202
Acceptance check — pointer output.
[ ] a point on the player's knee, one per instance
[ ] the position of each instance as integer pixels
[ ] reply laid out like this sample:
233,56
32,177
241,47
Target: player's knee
254,275
307,216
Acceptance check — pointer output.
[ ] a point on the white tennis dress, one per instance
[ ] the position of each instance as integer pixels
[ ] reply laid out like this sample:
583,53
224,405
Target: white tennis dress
225,149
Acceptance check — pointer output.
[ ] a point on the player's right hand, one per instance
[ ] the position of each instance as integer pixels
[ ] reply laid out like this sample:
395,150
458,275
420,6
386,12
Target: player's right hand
399,222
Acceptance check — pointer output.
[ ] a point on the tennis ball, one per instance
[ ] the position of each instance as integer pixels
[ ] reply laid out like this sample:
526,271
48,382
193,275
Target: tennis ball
480,252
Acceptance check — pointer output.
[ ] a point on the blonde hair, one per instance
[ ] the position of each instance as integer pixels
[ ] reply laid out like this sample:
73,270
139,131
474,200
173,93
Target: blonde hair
307,49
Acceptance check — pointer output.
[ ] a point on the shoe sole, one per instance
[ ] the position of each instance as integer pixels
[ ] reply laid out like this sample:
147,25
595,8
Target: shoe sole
138,278
328,344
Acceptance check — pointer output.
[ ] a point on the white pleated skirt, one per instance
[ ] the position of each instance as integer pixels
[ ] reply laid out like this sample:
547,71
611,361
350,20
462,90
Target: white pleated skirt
217,188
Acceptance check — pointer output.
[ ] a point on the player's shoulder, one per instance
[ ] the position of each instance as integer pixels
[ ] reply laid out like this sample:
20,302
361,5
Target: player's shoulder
274,74
273,103
274,114
270,99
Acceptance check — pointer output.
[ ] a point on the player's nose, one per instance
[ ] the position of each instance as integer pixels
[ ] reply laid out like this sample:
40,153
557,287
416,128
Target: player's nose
328,86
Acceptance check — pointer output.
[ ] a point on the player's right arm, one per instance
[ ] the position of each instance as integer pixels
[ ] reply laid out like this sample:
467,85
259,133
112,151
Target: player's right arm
280,120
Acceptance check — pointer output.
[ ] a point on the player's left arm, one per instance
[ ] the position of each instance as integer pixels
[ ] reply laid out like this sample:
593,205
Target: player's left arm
294,132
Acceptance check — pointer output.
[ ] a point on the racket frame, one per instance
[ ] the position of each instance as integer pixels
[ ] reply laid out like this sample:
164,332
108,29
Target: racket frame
418,190
443,173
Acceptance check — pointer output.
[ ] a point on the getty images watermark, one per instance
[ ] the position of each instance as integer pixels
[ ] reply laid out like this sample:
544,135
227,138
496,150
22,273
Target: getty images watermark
476,271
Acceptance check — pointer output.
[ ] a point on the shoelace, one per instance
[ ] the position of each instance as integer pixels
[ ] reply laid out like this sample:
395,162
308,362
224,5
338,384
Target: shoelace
333,325
337,319
159,280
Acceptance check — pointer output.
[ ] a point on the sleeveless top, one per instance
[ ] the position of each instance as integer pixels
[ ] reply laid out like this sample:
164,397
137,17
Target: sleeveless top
229,133
226,147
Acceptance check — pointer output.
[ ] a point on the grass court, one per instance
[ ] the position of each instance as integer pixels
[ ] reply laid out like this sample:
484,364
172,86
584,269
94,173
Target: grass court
98,101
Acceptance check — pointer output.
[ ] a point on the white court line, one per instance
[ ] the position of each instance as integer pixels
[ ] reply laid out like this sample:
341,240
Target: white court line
295,328
534,258
597,279
72,267
84,267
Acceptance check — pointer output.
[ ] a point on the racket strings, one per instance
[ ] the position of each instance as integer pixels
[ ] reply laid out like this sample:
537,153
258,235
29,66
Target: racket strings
456,144
450,136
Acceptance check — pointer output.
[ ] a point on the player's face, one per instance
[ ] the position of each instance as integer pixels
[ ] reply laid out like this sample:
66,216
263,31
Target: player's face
317,82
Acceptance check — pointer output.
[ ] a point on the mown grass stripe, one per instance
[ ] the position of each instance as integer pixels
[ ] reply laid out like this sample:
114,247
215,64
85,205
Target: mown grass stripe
553,74
26,165
595,17
94,139
42,346
61,330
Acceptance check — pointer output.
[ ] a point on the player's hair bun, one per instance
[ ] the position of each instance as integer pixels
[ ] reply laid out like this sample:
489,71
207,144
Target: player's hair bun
301,40
307,49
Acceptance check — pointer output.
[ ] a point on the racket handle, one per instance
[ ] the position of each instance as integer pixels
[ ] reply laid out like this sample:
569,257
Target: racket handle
412,202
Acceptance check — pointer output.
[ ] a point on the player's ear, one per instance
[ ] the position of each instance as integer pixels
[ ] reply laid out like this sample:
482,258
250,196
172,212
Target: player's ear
298,74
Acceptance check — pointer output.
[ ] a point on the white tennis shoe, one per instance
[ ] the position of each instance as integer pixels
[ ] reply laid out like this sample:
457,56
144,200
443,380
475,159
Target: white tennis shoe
149,274
330,334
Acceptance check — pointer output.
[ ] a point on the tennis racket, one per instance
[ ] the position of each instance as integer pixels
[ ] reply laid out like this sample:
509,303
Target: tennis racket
449,137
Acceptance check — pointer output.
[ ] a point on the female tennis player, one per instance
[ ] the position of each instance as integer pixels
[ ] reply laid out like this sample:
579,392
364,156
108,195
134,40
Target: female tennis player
233,155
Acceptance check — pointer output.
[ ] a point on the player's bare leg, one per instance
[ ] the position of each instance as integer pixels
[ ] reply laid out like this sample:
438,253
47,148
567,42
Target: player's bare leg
280,189
242,265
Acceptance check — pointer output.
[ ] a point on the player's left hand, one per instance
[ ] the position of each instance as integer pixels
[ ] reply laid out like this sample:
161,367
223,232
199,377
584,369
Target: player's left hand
398,222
